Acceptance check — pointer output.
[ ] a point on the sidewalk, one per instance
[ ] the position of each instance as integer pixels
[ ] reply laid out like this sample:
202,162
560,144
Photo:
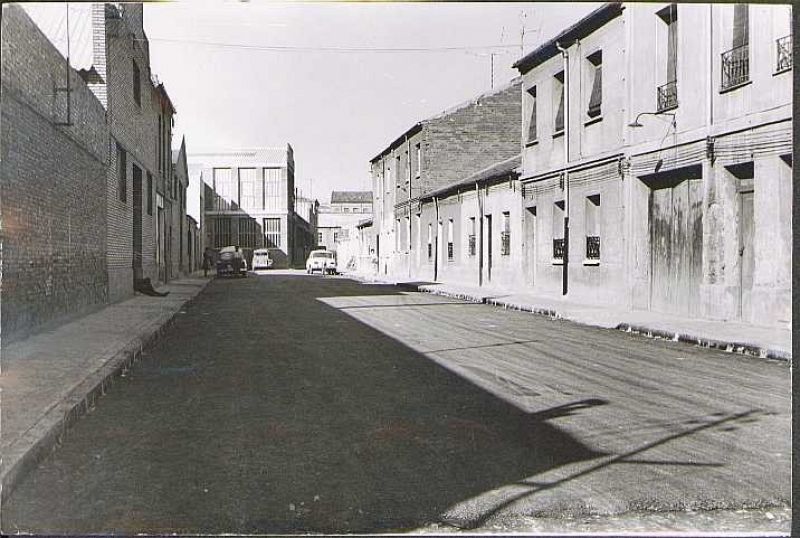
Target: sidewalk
730,336
50,379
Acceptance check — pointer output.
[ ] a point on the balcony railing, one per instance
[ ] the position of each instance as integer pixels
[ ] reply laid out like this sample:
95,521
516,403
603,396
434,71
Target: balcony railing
735,67
668,96
592,247
505,243
558,249
784,46
471,243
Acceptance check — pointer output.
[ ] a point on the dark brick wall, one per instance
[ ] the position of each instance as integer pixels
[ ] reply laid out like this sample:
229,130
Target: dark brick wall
466,140
135,127
53,188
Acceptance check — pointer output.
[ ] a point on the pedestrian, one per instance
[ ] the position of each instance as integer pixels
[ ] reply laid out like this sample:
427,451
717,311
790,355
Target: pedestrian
206,261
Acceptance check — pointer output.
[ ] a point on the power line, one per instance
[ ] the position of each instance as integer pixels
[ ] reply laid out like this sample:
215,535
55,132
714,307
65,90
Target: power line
278,48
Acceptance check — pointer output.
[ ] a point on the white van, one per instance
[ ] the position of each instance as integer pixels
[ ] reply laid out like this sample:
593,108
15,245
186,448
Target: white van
261,259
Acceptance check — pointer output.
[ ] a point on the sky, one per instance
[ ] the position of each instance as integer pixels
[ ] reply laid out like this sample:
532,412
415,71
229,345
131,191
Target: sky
250,74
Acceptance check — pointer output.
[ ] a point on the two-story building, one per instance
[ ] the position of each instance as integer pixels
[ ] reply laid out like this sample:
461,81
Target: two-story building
656,166
249,201
433,153
338,221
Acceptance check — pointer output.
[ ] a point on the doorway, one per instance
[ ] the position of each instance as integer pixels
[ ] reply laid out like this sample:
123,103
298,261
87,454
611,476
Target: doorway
488,248
137,223
530,242
676,244
746,254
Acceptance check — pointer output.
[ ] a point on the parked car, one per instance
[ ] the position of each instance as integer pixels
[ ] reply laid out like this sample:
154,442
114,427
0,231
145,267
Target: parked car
323,261
261,259
231,262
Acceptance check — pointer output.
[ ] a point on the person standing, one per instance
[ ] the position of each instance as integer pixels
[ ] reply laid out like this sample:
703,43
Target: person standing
206,261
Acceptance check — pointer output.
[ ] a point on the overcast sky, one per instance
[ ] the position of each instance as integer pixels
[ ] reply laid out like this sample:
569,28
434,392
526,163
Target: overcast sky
276,72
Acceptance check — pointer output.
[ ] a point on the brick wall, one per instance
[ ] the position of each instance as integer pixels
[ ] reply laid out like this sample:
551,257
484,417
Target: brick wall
471,138
53,184
135,127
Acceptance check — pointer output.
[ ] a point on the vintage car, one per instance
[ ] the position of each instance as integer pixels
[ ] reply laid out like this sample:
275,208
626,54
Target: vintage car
231,262
323,261
261,259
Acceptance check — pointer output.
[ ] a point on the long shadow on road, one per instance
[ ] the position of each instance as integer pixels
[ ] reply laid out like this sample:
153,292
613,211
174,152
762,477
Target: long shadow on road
265,410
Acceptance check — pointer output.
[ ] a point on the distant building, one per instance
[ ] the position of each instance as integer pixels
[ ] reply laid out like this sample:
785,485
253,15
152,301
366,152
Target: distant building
180,184
336,227
250,201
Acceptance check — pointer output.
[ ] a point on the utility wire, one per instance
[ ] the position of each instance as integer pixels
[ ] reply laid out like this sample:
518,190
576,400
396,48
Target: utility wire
277,48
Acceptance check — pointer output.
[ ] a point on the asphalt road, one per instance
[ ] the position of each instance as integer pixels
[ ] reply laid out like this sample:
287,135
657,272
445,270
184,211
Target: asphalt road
288,403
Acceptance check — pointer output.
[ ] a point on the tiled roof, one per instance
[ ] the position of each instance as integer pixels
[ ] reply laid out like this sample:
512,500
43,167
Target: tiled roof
352,197
590,23
497,170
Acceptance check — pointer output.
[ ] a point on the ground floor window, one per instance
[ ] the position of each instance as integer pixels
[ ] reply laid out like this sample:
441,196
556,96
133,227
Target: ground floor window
450,253
558,230
505,234
272,232
471,237
430,242
592,227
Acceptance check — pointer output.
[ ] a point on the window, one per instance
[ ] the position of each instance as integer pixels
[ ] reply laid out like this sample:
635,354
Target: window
407,230
450,253
596,73
505,234
592,227
668,90
149,193
558,230
137,84
248,234
558,96
251,188
319,238
274,190
419,159
225,189
122,173
221,232
471,237
272,232
335,237
430,242
736,61
784,54
532,121
347,210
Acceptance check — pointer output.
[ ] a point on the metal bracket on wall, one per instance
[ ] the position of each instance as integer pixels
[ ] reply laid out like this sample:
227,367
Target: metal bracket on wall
710,155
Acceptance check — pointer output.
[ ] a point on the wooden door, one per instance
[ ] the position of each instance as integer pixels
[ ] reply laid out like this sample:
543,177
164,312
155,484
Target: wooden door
746,257
676,248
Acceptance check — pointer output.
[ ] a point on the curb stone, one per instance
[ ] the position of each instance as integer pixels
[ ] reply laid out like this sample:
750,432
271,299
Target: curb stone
730,347
49,431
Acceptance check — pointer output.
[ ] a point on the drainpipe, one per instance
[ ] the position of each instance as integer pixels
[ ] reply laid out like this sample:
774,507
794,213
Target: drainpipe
565,266
436,242
480,234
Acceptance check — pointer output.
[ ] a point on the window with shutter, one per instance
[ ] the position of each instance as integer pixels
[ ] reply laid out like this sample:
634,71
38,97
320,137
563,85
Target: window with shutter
596,97
558,92
532,124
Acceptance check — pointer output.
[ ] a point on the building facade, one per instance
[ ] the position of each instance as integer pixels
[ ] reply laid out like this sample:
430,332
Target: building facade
433,153
655,172
180,243
337,222
249,200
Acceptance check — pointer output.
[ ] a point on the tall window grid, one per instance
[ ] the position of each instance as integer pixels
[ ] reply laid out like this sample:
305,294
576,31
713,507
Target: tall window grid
505,234
592,224
471,242
272,232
